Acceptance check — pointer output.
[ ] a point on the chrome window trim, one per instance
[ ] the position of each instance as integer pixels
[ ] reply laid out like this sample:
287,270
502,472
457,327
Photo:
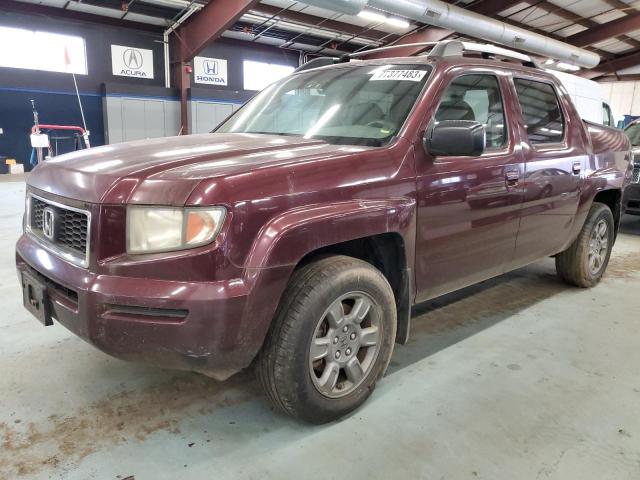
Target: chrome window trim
80,261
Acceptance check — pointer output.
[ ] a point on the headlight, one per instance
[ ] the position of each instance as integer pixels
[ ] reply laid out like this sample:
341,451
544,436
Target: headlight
164,229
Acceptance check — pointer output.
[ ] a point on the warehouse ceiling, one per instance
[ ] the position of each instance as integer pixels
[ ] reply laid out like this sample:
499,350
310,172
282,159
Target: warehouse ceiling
610,28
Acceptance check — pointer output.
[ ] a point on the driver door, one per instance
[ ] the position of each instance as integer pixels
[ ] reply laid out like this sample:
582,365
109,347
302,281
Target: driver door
469,207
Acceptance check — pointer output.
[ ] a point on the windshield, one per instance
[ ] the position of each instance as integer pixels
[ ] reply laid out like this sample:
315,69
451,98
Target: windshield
633,132
360,105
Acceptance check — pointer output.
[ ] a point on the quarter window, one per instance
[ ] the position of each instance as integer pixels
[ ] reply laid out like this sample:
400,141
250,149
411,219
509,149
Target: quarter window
540,110
476,98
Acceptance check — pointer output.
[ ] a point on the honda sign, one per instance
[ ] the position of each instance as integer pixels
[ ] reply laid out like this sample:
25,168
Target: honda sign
211,71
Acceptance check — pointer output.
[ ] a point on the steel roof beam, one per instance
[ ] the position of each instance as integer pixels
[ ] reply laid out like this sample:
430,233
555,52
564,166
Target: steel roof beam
575,18
320,22
607,30
208,24
202,28
614,65
55,12
428,34
490,7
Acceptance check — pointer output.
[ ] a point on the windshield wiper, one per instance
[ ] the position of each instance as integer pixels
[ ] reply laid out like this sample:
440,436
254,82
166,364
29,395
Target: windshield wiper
280,134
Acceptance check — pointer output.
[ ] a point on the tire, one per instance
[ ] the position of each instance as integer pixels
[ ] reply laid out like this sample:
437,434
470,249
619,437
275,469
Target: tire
576,265
318,295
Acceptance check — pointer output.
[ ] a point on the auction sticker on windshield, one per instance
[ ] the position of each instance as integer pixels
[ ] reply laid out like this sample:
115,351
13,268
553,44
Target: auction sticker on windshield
411,75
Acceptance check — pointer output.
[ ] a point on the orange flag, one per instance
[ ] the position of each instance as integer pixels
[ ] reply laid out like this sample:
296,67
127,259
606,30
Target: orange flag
67,58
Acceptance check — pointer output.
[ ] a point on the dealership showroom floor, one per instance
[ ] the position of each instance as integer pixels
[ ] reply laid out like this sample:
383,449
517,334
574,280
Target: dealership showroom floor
227,208
518,377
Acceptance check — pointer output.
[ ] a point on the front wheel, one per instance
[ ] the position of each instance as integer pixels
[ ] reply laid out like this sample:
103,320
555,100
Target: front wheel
331,340
583,264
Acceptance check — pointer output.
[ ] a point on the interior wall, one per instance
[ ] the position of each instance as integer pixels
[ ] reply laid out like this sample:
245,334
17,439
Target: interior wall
623,97
117,108
236,52
54,93
16,118
98,40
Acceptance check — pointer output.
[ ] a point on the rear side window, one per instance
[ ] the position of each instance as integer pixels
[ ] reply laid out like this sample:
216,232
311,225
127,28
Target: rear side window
541,111
477,98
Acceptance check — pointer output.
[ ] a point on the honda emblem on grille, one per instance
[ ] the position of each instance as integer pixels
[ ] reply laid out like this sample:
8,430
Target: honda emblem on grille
49,223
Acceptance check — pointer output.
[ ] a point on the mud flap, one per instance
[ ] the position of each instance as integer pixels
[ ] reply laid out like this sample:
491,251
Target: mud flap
403,306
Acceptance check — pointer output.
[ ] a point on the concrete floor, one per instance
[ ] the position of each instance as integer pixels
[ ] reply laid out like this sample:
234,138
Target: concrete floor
520,378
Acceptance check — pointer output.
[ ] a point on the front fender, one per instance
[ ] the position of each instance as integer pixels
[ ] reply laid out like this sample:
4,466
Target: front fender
288,237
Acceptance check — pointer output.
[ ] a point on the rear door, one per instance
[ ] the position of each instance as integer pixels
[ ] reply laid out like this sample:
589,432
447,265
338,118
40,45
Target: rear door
468,207
555,158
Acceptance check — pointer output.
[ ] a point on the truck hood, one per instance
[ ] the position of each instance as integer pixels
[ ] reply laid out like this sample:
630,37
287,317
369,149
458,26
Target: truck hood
166,170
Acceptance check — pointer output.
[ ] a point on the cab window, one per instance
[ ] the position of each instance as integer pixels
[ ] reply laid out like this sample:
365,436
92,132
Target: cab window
541,111
476,98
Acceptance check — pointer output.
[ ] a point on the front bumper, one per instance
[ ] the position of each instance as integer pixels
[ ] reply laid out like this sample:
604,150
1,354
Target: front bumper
198,326
633,199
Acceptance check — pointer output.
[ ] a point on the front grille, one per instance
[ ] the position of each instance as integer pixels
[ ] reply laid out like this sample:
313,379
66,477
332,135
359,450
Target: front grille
70,232
636,167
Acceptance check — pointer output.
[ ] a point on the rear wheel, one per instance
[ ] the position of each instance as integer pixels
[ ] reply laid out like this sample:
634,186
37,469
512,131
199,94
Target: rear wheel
331,340
583,264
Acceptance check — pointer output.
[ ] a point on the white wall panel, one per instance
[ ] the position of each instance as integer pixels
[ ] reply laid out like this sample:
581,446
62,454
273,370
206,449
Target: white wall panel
205,116
133,119
154,118
127,119
624,97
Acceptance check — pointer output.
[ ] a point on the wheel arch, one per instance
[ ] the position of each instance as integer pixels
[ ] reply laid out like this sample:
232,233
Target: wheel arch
613,199
381,232
387,253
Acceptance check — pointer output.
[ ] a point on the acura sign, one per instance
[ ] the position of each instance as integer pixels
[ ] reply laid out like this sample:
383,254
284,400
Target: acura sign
131,62
210,71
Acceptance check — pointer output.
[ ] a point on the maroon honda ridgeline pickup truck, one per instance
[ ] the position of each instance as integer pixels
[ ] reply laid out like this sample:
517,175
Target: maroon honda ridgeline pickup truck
298,235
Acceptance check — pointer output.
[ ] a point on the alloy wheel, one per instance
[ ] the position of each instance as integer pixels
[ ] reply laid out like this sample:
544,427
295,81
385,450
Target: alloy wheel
598,247
345,344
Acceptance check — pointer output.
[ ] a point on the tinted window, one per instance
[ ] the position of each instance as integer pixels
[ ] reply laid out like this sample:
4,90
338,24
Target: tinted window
541,111
477,98
607,116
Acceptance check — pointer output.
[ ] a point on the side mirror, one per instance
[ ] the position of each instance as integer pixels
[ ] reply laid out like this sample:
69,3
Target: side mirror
452,138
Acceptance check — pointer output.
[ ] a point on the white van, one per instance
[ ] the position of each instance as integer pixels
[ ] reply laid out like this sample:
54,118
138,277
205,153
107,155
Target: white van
588,97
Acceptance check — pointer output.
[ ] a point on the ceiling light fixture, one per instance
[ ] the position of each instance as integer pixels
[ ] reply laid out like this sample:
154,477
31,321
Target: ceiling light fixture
568,66
397,22
379,18
373,16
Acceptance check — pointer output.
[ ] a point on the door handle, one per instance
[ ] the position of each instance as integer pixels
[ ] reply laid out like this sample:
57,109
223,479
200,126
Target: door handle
577,168
512,177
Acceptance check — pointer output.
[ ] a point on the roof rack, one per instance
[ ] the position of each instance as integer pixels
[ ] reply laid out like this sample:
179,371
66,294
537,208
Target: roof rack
488,50
445,48
364,53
